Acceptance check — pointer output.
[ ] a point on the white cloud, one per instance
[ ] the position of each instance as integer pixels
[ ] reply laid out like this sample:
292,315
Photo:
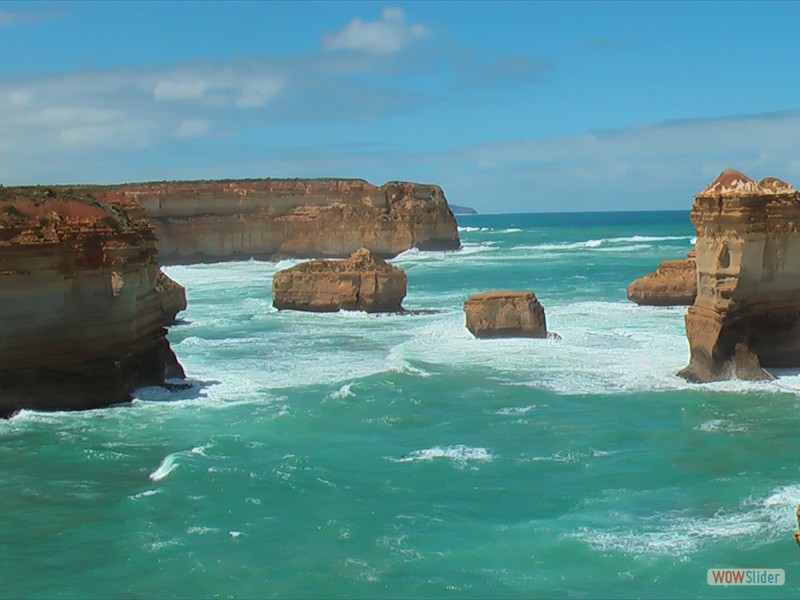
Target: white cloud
219,87
387,35
645,166
170,89
193,128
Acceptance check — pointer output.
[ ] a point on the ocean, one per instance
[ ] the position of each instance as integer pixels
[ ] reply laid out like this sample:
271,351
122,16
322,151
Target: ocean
358,456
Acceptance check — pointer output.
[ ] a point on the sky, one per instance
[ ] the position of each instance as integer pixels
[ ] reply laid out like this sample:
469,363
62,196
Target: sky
509,106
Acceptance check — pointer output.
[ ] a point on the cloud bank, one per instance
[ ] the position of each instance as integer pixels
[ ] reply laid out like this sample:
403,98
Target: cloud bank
387,35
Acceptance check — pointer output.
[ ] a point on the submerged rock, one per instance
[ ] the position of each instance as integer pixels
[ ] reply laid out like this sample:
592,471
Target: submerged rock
362,282
505,314
674,283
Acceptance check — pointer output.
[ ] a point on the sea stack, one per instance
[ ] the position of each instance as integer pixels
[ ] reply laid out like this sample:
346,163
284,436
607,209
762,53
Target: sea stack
503,314
211,221
82,322
172,296
674,283
362,282
746,317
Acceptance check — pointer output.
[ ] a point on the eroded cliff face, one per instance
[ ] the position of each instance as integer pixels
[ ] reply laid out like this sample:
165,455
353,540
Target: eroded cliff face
200,221
674,283
746,316
81,320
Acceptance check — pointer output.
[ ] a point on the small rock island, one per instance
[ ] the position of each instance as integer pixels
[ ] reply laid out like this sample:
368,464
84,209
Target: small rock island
362,282
502,314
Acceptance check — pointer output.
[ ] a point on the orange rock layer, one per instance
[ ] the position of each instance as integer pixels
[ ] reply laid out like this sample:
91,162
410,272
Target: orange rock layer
746,316
201,221
674,283
82,322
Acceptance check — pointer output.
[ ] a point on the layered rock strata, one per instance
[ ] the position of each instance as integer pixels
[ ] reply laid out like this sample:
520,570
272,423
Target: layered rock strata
81,320
171,295
674,283
362,282
746,317
202,221
505,314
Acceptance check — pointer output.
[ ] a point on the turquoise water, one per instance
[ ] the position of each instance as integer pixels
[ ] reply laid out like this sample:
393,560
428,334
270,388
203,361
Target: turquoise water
348,455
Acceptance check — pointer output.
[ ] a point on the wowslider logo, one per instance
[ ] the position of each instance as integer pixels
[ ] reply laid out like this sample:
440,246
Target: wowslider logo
746,577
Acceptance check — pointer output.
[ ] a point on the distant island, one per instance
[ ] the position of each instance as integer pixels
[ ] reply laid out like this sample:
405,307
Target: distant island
463,210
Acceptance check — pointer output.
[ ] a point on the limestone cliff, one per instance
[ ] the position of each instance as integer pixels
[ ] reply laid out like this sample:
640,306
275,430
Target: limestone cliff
224,220
674,283
747,312
171,295
82,323
362,282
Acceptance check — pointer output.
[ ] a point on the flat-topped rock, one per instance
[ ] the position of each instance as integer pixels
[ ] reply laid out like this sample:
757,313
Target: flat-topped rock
362,282
674,283
500,314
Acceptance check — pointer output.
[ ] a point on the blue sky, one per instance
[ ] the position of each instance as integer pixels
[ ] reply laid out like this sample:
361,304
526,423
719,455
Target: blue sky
510,107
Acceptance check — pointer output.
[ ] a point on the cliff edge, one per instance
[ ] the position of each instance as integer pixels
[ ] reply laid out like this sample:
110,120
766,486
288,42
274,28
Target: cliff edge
81,319
746,316
206,221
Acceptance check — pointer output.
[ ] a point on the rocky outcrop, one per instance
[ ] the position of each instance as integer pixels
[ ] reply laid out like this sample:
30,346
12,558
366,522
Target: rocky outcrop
674,283
505,314
362,282
82,323
206,221
171,295
746,317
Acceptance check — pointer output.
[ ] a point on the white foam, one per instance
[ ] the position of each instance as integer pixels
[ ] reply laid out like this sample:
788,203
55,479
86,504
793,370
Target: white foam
518,410
637,240
167,466
144,494
721,425
201,530
760,522
607,347
342,392
458,453
633,248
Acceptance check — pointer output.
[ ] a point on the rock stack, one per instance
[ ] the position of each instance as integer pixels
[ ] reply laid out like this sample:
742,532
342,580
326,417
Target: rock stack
505,314
362,282
746,317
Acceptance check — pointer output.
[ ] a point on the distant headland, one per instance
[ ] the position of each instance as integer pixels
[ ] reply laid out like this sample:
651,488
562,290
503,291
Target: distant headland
463,210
